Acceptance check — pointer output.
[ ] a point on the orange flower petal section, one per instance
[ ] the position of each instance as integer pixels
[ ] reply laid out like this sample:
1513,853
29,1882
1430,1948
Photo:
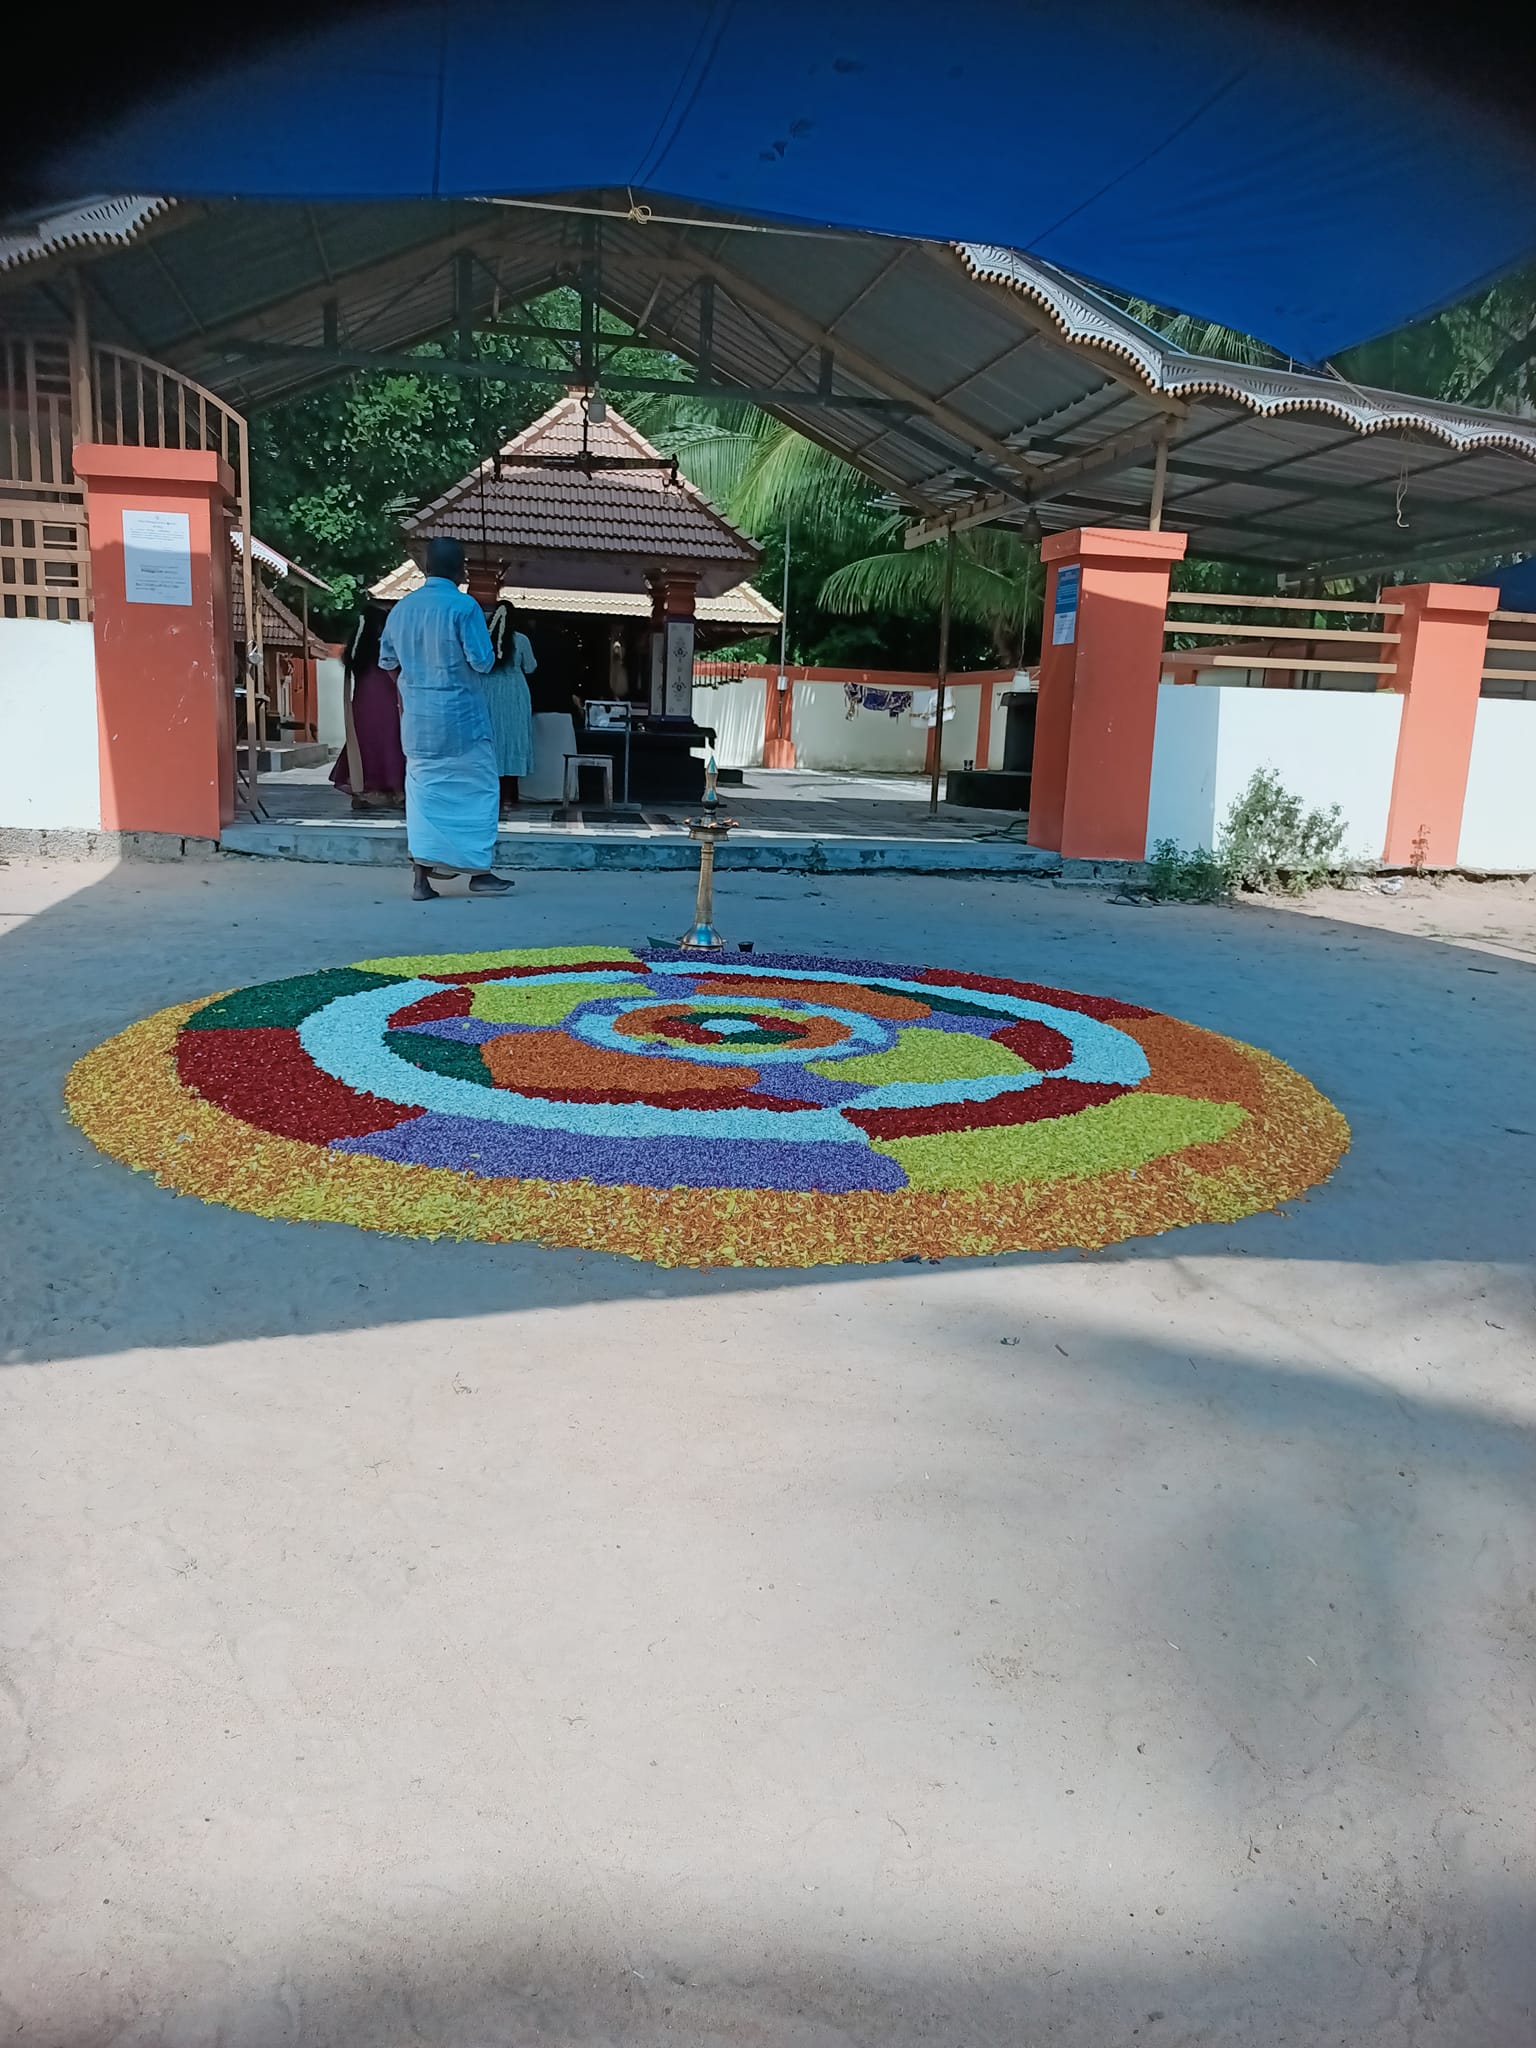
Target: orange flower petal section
837,995
530,1061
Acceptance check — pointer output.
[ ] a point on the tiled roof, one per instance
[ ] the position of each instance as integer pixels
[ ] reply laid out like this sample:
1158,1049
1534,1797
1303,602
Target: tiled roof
743,606
636,517
279,627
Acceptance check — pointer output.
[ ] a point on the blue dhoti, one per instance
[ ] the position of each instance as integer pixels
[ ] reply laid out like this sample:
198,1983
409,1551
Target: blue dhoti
451,806
437,639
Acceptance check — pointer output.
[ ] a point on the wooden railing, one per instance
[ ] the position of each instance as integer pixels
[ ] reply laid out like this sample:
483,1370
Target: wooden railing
46,406
1320,650
1510,633
137,403
44,555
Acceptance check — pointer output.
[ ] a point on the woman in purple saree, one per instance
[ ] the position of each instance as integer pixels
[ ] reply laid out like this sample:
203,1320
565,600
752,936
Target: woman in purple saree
372,763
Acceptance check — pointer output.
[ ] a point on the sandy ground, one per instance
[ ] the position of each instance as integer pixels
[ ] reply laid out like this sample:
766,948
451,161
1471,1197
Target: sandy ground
1490,917
485,1645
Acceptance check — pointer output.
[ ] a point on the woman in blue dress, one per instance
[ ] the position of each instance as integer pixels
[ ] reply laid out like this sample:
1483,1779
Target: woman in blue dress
511,707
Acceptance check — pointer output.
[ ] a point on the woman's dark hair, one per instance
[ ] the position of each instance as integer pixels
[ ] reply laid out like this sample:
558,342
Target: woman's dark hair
503,628
363,647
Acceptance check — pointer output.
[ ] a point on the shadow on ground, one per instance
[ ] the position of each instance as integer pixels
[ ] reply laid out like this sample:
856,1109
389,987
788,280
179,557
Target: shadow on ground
498,1986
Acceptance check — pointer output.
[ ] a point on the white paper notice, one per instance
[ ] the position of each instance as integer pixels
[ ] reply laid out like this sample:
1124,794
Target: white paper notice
157,557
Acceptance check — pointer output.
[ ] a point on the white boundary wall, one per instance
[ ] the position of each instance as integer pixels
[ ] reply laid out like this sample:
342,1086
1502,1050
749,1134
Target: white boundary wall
872,742
1498,821
1327,747
735,711
50,777
331,702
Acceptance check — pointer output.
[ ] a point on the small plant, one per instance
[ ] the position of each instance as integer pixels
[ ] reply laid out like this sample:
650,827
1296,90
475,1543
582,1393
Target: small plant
1269,842
1177,876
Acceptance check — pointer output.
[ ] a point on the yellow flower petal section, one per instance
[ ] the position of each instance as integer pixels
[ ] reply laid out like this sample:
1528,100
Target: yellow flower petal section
477,963
922,1054
542,1002
1124,1133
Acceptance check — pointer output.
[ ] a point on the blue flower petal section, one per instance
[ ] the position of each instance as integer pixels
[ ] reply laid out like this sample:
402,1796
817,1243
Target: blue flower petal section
467,1030
346,1040
1099,1051
512,1151
596,1024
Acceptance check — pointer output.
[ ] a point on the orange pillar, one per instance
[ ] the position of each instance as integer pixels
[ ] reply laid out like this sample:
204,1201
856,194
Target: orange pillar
984,723
1440,656
1101,659
778,718
160,566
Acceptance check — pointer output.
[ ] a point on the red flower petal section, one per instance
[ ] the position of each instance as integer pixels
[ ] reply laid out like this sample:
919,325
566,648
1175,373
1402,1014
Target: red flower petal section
1102,1007
683,1098
1027,1106
553,970
1037,1043
448,1002
265,1077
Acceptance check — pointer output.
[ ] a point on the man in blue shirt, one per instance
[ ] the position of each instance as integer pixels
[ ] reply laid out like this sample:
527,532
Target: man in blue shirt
436,639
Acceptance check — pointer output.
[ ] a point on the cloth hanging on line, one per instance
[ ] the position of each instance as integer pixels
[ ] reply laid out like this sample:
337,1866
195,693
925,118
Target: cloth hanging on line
925,705
866,697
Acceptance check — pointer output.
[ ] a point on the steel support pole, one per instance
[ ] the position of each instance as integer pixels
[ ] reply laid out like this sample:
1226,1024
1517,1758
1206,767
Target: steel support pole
943,678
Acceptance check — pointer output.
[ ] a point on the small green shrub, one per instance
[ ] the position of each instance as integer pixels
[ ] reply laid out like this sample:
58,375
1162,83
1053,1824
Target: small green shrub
1269,842
1174,876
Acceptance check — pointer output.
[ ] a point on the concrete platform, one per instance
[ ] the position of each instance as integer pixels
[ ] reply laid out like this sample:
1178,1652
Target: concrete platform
492,1647
598,843
790,821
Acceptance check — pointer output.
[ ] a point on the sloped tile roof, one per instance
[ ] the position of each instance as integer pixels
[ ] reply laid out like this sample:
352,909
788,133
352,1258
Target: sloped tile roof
279,627
744,605
637,515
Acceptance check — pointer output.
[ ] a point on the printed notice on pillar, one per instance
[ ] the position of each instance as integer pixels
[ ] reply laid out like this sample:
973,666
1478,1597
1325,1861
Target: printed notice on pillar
1064,613
157,557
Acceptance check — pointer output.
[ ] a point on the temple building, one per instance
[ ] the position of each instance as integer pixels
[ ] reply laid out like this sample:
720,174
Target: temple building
581,503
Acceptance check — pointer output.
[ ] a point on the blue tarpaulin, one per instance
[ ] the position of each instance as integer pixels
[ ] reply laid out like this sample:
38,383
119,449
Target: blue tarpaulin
1202,159
1516,585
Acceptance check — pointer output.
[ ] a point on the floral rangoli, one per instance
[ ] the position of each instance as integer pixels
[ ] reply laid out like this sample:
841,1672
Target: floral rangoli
744,1109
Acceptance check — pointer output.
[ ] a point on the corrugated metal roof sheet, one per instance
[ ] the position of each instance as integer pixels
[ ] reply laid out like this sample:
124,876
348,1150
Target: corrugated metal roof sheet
995,372
263,551
92,224
511,507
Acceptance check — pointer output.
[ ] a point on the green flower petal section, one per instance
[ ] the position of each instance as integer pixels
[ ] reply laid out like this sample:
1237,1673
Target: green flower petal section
1126,1132
440,1056
284,1003
397,964
922,1055
542,1002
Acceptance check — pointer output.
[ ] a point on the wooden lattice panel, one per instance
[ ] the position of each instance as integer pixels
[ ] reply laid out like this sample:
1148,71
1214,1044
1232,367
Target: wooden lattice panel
44,560
44,552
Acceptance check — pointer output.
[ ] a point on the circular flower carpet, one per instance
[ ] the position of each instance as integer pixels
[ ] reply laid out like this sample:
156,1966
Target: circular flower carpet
745,1109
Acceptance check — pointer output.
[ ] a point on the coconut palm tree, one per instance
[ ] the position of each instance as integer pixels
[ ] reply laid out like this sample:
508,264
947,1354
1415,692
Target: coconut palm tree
996,584
765,476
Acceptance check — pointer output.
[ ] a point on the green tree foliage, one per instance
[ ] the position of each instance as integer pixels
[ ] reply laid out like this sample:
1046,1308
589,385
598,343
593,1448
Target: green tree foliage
858,597
334,471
